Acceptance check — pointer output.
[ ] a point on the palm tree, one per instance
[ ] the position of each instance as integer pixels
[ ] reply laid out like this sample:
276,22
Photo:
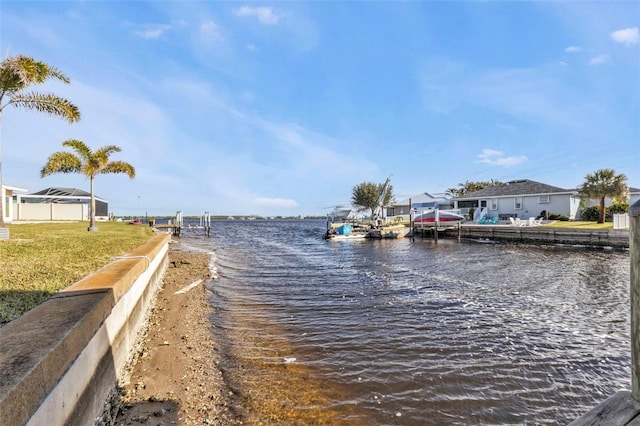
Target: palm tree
16,75
89,163
604,183
470,186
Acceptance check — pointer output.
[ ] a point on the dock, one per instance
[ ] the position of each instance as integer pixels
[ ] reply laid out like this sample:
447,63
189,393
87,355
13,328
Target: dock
177,224
623,408
615,238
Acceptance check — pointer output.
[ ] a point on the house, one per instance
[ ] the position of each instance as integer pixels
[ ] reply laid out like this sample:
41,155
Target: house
634,195
6,197
520,198
418,203
58,204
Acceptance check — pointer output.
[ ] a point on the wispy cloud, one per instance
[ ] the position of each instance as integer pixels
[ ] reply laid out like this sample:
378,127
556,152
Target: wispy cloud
573,49
497,158
600,59
628,36
264,15
153,32
209,29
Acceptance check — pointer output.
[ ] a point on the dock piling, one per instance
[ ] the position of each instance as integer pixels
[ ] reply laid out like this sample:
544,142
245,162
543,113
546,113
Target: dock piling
205,222
634,256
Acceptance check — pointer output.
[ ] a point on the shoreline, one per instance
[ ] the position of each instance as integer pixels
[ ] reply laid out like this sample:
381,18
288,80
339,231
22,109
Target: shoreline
184,372
174,376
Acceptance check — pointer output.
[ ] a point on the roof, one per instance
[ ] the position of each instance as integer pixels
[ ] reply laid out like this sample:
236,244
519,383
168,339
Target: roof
633,190
14,188
61,195
420,198
516,188
67,192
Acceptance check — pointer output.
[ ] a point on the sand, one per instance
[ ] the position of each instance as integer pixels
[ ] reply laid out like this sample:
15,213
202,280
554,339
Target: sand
173,378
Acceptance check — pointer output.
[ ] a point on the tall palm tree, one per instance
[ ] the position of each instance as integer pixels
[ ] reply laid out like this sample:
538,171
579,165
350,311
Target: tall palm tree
89,163
601,184
19,73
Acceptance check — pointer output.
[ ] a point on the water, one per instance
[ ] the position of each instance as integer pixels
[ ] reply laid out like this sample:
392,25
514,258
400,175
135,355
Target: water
402,332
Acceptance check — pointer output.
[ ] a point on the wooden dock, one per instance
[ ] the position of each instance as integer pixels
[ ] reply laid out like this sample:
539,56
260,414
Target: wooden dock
177,224
623,408
619,409
543,235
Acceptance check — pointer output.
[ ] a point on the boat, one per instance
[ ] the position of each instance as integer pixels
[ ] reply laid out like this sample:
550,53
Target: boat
344,231
389,231
441,217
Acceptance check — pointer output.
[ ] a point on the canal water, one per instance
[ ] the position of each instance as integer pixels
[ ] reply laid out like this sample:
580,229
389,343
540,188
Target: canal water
410,332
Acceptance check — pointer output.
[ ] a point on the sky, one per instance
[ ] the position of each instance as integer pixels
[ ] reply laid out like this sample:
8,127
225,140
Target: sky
281,108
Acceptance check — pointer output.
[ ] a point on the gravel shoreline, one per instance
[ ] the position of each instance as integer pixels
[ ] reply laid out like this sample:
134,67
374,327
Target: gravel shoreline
174,376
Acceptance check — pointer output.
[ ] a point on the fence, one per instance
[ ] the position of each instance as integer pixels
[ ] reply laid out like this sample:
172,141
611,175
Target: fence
52,211
621,221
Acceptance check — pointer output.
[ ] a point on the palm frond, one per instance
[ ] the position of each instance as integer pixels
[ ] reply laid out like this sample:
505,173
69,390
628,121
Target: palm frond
107,150
80,147
120,167
61,162
48,103
29,71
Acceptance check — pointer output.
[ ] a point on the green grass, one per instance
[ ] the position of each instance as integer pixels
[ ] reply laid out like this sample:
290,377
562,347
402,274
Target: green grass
41,259
581,225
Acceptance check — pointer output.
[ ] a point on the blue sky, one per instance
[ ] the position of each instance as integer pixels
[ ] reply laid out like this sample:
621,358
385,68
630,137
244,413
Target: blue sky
281,108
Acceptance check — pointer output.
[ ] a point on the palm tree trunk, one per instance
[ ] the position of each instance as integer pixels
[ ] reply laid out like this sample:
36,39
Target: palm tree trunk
602,211
92,210
1,192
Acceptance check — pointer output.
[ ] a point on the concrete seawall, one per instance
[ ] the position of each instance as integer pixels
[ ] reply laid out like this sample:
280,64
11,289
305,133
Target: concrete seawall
544,235
59,362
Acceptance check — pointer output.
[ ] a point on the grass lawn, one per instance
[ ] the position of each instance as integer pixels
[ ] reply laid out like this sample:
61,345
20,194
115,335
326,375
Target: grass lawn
581,225
41,259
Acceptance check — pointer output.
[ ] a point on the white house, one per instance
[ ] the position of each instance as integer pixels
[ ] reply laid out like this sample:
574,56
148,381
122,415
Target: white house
7,195
418,202
520,198
58,204
634,195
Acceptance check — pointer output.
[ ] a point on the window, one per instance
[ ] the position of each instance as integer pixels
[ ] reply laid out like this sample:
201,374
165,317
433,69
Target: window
517,203
543,199
466,204
494,204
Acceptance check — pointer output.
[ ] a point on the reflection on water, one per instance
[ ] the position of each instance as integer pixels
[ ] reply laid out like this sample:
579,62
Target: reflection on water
412,332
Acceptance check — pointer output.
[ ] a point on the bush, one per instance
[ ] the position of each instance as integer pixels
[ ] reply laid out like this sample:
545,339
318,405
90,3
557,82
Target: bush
617,208
590,214
556,216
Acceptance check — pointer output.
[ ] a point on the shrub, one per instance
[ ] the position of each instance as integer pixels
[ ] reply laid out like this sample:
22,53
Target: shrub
617,208
556,216
590,214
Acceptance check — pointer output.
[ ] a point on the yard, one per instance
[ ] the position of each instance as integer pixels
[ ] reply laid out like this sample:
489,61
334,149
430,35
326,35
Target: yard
41,259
